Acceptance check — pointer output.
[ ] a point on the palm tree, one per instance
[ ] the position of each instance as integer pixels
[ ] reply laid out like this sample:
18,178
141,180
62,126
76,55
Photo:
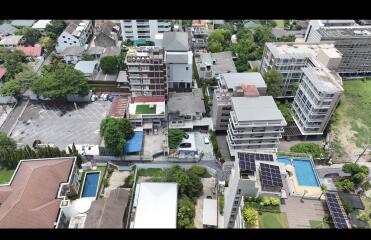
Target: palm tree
323,189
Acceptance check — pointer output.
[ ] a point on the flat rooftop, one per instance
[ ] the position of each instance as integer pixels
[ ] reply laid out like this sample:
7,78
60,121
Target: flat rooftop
262,108
323,79
157,205
301,50
142,107
223,62
233,80
345,32
186,103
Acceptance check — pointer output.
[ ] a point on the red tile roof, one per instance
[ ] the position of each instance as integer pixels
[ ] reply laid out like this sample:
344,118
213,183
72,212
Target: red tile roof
198,23
2,72
30,201
118,106
250,91
147,99
31,51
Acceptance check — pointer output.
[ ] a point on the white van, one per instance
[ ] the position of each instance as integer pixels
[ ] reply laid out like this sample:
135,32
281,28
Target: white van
206,140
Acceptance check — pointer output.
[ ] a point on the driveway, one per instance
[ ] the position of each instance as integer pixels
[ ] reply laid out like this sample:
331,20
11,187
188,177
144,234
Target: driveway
207,149
208,184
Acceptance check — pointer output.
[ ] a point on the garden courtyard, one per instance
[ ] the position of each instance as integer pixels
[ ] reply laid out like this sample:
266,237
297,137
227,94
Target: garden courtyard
351,127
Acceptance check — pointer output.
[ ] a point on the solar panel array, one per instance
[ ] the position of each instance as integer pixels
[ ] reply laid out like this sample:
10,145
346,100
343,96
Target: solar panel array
247,162
270,175
336,210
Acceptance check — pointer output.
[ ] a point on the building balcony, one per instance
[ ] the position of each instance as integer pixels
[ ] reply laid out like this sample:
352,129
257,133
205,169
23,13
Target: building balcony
246,124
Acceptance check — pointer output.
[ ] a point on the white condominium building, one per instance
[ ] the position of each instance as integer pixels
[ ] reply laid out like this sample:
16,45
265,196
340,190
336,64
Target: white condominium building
318,94
290,58
255,124
143,29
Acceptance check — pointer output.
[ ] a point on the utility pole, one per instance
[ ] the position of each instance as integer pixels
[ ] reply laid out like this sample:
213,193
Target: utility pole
360,155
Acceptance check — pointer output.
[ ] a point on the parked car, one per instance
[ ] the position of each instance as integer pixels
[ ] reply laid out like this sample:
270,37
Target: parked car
206,140
185,145
186,135
209,197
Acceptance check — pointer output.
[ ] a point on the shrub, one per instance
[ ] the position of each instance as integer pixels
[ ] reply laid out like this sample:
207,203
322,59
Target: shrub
275,201
175,137
345,185
200,171
351,168
310,148
363,217
110,170
186,212
327,218
358,178
250,216
347,206
129,181
366,186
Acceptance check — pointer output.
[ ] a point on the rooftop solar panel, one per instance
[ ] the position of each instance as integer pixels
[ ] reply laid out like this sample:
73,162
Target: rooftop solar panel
337,212
246,162
270,175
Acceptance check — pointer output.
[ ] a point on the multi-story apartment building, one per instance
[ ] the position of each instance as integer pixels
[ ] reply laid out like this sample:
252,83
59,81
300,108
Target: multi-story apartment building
314,25
255,123
233,85
249,178
210,65
76,34
143,29
354,42
200,33
178,58
290,58
146,71
318,94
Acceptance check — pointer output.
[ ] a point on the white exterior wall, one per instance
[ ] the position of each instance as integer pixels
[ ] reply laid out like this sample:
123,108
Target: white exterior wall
311,34
66,40
178,72
153,26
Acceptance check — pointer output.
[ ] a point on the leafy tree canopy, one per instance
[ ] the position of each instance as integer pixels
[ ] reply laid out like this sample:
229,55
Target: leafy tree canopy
109,64
273,79
7,142
30,35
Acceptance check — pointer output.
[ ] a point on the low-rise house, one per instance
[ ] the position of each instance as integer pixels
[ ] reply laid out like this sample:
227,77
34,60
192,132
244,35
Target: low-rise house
147,112
186,110
34,52
37,192
199,32
23,23
230,85
122,80
41,25
7,29
72,55
96,52
12,41
77,33
88,68
155,205
210,65
119,107
255,123
106,34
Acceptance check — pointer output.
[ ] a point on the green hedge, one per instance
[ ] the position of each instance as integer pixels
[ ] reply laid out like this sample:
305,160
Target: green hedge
216,149
313,149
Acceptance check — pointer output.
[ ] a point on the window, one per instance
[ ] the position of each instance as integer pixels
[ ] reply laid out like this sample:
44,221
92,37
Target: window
65,41
234,209
63,36
224,120
235,202
239,191
74,41
187,68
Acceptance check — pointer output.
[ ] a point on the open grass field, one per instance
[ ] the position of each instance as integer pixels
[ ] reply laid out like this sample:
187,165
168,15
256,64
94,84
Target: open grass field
351,125
273,220
6,175
145,109
150,172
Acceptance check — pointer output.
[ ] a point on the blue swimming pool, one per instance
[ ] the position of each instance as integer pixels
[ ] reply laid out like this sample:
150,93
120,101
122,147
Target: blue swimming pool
304,171
90,185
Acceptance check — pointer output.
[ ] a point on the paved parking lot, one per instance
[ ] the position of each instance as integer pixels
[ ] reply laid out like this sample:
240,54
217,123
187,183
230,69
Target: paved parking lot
207,149
61,124
154,143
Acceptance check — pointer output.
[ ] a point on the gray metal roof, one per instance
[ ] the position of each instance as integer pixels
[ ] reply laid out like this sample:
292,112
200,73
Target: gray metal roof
233,80
178,57
175,41
86,67
23,23
7,28
108,212
261,108
73,51
186,103
11,40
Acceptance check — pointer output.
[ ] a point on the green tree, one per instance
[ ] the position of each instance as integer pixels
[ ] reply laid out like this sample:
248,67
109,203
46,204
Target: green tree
175,137
31,36
345,185
59,80
7,142
109,64
21,82
215,47
358,178
262,35
351,168
199,171
115,132
47,42
88,57
186,212
250,216
55,28
364,170
285,109
273,79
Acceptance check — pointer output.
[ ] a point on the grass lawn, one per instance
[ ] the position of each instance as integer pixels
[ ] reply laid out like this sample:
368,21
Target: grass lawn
318,224
150,172
279,23
145,109
367,202
354,112
273,220
6,175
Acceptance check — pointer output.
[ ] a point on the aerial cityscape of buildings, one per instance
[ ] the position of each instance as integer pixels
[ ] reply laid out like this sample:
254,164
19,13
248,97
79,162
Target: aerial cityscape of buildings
185,124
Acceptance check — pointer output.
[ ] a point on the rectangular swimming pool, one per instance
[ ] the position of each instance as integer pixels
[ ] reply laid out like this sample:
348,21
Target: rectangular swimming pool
304,170
90,184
